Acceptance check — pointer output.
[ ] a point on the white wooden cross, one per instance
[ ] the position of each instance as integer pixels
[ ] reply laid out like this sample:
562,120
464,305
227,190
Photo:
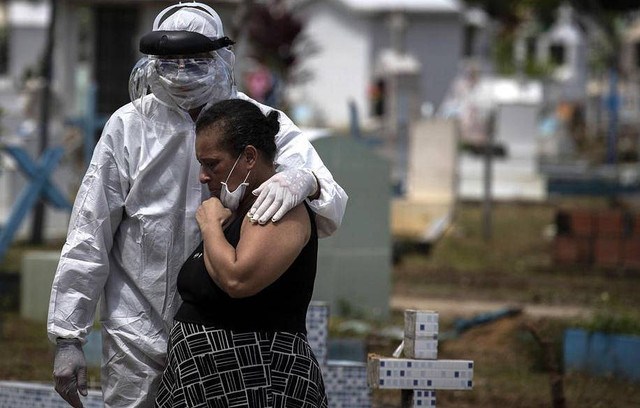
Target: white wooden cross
420,372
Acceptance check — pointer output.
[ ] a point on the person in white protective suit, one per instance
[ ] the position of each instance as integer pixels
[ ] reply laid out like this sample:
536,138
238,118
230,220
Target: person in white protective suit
133,223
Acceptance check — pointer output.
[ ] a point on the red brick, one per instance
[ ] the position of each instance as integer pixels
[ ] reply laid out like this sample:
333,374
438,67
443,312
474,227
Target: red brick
636,225
631,253
585,250
608,252
572,250
582,223
610,223
565,250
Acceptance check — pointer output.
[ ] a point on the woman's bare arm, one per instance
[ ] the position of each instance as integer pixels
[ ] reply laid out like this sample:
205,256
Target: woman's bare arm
262,255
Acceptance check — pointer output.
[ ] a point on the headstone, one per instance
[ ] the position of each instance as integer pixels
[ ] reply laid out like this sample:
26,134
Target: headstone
564,45
426,210
516,175
27,33
345,381
420,372
38,270
354,264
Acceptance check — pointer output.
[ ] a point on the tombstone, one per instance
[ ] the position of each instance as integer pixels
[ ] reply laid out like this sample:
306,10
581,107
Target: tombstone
422,215
345,381
37,273
564,45
27,31
354,264
516,175
419,374
516,107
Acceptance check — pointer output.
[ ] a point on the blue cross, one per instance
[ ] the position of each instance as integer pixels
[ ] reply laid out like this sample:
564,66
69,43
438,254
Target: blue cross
39,186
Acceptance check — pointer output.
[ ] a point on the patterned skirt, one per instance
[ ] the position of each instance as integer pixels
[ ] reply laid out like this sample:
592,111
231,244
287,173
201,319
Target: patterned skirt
210,367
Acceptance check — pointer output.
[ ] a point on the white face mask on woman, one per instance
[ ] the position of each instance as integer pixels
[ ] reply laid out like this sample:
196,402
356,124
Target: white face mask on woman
231,199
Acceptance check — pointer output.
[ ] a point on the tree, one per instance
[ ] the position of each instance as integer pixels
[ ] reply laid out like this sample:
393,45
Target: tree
275,35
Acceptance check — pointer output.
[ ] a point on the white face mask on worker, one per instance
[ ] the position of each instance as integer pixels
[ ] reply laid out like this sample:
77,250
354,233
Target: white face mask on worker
231,199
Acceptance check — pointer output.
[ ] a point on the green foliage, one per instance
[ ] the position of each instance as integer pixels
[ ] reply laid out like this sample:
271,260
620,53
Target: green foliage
505,61
614,323
534,69
275,34
503,55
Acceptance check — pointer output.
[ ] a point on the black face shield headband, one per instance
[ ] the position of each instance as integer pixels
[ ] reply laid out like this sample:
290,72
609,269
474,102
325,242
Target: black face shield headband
180,43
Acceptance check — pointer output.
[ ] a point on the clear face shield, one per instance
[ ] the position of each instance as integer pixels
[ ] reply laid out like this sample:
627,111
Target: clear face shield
186,82
190,61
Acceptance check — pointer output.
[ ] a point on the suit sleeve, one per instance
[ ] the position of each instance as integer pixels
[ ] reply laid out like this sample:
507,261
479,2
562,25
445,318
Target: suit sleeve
84,262
295,150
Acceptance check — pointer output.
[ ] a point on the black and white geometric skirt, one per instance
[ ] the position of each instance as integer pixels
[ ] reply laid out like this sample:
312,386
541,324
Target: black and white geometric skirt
210,367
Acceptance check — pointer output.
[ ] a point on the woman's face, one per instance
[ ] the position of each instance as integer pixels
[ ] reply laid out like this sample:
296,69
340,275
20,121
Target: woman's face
216,163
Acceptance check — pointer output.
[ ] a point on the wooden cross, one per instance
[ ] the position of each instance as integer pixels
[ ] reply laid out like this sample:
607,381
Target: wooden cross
420,374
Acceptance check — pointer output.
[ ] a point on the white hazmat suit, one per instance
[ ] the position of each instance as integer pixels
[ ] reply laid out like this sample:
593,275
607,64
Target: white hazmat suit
133,225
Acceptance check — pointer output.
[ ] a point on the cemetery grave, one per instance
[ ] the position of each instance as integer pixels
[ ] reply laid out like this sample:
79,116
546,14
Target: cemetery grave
420,374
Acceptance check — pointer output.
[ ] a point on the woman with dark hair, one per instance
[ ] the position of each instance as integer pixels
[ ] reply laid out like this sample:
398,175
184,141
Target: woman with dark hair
239,338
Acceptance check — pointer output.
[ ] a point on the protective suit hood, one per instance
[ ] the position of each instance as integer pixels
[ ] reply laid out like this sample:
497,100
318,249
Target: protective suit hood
215,81
203,20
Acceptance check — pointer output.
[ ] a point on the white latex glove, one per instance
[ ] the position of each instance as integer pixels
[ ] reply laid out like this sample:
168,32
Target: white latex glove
282,192
70,371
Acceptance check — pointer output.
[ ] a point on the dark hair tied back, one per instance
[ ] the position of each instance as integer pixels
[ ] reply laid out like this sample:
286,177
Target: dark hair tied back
274,122
241,123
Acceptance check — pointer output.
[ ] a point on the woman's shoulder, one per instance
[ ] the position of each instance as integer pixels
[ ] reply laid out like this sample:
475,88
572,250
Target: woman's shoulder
298,213
296,220
301,216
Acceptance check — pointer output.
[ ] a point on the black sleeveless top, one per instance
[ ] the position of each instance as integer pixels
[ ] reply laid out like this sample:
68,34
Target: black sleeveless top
281,306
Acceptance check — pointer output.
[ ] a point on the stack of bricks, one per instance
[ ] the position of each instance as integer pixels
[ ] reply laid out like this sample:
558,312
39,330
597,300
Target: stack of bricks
603,238
345,382
420,372
30,395
318,330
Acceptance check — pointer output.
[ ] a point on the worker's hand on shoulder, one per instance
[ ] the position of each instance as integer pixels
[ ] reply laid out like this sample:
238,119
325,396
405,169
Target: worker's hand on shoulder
70,371
282,192
212,211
